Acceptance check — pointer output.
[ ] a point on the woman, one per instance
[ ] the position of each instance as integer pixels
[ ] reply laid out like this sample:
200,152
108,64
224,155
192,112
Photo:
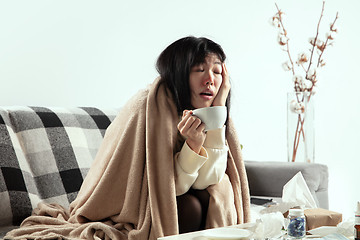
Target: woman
138,186
197,78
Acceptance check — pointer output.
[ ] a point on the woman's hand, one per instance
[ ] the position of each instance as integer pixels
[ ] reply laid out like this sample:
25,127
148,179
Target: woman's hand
223,92
192,128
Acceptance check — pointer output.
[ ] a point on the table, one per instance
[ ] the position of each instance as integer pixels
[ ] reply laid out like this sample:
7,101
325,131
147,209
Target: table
199,235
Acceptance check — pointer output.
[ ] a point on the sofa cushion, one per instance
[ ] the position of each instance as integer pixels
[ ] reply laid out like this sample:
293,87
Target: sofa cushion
15,203
268,178
55,149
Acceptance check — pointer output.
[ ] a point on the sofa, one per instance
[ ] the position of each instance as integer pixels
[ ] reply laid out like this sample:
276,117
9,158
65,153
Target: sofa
46,152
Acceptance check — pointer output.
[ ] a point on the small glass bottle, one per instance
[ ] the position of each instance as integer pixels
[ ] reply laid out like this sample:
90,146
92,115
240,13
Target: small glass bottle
297,223
357,226
357,222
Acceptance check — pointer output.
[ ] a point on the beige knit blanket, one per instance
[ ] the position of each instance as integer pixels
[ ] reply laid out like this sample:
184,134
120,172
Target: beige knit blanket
129,192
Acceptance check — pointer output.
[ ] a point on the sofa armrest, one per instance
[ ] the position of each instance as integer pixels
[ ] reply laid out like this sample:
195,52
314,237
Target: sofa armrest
268,178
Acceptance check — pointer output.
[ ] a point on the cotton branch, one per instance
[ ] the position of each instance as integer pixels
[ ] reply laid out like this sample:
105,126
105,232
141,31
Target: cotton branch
287,42
316,37
327,39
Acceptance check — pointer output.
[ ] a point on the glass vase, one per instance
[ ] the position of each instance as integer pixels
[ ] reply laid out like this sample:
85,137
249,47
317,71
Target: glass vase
300,127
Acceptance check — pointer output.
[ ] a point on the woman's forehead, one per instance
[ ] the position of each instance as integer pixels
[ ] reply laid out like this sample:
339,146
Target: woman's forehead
210,58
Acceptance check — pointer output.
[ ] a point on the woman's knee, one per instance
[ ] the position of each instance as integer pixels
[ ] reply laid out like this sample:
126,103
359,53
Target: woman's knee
189,213
188,203
203,196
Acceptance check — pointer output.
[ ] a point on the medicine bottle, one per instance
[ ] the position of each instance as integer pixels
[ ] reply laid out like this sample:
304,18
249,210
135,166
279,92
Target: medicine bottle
297,223
357,222
357,226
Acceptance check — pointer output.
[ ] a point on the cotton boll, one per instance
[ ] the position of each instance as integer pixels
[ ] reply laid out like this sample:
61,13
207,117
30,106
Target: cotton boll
297,78
311,74
303,55
303,84
282,39
312,41
300,108
320,45
302,58
274,21
287,66
297,107
328,34
319,42
331,35
293,106
308,84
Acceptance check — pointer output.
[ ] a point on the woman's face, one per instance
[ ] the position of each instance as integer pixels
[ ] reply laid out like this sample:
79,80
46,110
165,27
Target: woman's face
205,81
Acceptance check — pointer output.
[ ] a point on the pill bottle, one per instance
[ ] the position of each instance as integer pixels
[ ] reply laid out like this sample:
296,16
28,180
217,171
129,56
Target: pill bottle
357,222
297,223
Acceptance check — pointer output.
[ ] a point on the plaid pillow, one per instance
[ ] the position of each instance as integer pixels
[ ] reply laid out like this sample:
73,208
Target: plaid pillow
57,147
15,203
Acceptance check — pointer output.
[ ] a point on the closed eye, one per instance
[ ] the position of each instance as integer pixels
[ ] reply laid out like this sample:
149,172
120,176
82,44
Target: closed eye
217,70
199,70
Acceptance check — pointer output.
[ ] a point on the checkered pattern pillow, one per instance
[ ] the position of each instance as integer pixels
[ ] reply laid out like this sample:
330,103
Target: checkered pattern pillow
15,201
45,153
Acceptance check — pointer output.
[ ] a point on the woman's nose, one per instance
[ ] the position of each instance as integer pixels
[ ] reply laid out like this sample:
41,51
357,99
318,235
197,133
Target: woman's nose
209,79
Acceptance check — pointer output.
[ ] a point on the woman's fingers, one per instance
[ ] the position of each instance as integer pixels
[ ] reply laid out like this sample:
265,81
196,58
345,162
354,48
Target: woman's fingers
223,92
185,117
193,123
226,80
190,124
192,128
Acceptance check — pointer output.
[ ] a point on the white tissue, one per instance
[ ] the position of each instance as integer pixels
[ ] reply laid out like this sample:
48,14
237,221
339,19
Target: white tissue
296,193
269,226
345,228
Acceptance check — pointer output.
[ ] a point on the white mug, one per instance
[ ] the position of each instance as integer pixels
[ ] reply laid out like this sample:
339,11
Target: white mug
214,117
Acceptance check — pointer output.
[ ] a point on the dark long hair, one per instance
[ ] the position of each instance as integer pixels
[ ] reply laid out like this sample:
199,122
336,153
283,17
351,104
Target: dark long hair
175,62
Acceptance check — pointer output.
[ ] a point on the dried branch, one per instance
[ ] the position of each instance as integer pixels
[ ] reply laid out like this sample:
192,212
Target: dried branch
303,84
316,37
285,34
326,42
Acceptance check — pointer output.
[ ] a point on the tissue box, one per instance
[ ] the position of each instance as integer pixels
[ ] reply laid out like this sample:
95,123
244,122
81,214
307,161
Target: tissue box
317,217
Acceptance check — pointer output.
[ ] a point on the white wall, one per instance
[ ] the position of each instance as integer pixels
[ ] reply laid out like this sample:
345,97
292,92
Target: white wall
99,53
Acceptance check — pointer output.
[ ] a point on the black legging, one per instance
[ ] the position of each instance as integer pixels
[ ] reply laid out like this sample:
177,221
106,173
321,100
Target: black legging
192,210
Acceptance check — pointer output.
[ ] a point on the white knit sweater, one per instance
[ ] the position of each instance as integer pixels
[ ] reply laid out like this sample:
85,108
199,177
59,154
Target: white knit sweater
201,170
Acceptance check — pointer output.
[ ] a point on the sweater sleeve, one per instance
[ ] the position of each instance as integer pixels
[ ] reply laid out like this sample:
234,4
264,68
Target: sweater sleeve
201,170
213,170
187,165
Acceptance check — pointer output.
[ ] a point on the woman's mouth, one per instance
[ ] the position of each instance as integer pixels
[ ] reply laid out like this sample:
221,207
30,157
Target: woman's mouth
207,95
